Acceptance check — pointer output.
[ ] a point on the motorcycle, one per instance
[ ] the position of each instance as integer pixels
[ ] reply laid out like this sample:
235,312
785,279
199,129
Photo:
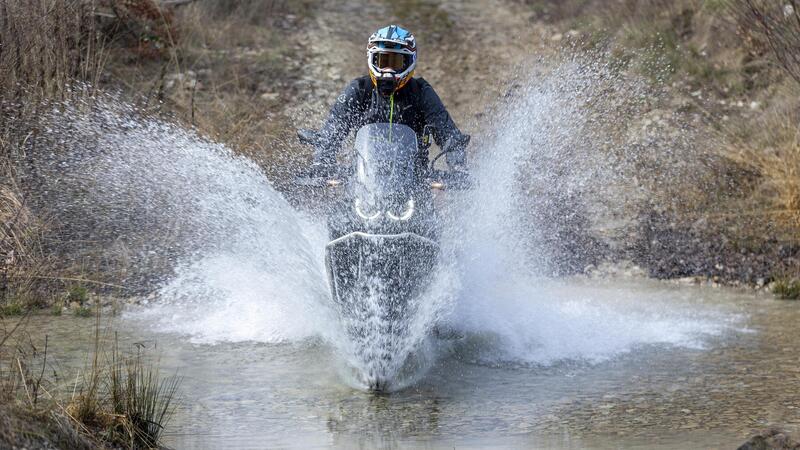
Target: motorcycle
384,245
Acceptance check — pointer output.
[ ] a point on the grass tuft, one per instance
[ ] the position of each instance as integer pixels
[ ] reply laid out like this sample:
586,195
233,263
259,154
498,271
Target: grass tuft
141,401
122,400
83,311
12,309
78,294
787,289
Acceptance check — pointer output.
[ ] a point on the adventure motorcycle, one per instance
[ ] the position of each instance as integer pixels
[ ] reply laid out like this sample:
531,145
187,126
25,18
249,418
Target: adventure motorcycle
384,241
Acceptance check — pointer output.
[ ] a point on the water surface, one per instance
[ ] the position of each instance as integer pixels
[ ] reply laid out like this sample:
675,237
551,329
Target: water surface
710,392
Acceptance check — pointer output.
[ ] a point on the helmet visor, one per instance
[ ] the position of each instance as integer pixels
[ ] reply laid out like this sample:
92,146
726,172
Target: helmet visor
391,61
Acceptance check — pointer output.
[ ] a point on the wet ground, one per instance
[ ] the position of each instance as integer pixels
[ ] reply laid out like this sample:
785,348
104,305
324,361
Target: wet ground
255,395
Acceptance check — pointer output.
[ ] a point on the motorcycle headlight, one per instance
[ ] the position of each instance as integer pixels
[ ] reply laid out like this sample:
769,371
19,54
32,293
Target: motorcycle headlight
366,215
405,215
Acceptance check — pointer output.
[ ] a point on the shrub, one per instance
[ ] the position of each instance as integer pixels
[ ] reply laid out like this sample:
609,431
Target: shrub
140,399
776,22
787,289
12,309
78,294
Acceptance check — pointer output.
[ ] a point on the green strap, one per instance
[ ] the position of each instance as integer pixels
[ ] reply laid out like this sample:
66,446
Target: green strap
391,115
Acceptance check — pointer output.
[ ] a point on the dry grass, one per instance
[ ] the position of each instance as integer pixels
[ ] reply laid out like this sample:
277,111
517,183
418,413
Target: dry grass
236,66
729,71
122,403
141,401
65,46
122,399
35,66
787,289
118,401
24,265
777,23
770,146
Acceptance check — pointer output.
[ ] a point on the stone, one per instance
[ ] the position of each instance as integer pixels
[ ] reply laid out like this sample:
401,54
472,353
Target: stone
270,96
771,439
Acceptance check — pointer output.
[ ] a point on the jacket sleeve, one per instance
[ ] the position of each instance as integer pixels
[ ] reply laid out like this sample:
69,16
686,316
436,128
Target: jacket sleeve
342,118
445,132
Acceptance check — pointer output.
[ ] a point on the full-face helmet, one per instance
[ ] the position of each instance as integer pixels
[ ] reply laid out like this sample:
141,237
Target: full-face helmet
392,58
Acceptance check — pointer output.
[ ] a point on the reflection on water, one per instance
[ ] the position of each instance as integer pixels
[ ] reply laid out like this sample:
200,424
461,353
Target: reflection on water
256,395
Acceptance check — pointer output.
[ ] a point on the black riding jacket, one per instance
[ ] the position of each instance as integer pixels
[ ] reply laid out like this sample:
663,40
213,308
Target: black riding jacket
415,105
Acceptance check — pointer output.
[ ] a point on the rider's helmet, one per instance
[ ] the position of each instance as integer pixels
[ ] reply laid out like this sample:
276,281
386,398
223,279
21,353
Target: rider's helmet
392,57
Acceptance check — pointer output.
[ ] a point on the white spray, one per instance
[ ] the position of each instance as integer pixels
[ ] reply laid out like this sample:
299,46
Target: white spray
247,267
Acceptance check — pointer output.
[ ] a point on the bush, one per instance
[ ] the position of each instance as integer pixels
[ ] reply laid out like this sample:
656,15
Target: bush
776,22
122,400
12,309
78,294
140,399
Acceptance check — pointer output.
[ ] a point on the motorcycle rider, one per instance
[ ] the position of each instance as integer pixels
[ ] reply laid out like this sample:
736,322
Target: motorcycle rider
389,94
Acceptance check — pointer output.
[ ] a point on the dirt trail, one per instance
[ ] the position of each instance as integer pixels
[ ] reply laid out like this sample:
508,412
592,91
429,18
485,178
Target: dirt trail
468,50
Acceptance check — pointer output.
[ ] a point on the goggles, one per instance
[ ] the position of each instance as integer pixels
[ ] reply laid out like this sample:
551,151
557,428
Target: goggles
396,62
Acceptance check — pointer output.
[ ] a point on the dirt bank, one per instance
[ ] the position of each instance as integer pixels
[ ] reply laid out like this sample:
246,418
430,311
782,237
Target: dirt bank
704,186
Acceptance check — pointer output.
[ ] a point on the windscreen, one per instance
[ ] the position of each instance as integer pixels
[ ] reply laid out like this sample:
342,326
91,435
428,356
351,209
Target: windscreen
385,163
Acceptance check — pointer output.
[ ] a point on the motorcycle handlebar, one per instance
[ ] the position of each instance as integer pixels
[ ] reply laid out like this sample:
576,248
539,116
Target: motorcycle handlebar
438,179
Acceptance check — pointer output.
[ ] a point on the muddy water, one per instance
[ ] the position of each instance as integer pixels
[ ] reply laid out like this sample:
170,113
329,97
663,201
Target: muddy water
257,395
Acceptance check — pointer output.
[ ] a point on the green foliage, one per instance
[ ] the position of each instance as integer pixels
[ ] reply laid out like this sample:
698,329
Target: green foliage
56,310
83,311
787,289
12,309
78,294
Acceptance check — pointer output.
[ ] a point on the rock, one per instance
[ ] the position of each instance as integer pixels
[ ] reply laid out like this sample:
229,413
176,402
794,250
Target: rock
771,439
687,280
557,37
270,96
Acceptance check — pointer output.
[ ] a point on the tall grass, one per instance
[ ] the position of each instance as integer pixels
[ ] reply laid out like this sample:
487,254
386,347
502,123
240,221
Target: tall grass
46,44
771,147
23,262
53,50
778,23
119,400
141,401
45,47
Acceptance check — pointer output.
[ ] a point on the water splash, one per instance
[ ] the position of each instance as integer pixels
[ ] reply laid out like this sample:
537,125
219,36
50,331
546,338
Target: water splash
560,162
235,262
